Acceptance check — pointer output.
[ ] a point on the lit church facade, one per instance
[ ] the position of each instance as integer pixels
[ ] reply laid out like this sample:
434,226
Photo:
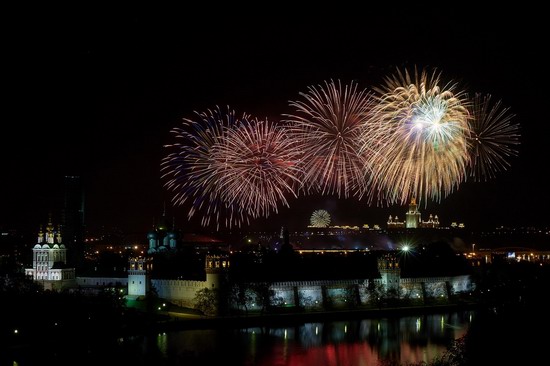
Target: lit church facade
49,261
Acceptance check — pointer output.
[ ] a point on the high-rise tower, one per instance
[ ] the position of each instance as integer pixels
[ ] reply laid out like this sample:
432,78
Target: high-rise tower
412,217
73,220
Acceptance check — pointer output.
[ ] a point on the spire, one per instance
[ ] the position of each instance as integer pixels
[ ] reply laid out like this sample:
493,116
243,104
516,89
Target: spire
49,228
40,235
58,237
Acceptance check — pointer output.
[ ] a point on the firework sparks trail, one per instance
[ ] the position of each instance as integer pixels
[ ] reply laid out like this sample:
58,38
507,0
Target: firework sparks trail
261,167
193,173
493,140
327,126
414,137
235,168
423,131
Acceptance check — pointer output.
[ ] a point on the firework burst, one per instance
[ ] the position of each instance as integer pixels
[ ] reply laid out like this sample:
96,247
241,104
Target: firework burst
231,169
327,126
260,167
423,131
193,173
414,137
320,218
494,137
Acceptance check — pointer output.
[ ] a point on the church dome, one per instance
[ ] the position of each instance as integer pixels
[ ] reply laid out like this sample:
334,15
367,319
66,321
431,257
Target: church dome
55,246
61,246
45,246
172,235
152,235
37,246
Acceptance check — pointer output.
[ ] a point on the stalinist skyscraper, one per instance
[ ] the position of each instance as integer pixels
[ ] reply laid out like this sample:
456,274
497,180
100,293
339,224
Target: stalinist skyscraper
412,217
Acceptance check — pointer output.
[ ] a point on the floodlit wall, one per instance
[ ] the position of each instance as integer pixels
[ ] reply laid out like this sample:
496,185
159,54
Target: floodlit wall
179,292
306,294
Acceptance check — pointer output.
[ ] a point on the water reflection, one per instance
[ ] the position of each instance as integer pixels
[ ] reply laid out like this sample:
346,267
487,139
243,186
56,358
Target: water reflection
355,342
366,342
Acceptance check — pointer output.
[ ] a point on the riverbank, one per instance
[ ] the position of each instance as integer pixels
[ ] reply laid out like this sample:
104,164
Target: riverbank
182,321
136,322
276,339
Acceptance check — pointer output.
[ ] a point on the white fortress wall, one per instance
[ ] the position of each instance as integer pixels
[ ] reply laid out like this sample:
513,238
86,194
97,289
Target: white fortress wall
311,296
180,292
101,281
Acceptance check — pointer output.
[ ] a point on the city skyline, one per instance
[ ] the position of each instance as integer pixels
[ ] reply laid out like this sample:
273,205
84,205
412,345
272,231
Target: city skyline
99,101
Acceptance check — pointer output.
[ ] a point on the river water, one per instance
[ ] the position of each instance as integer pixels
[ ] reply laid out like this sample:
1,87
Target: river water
365,342
356,342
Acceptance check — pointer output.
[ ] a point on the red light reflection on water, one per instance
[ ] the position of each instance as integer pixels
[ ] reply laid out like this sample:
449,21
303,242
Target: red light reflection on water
348,354
330,354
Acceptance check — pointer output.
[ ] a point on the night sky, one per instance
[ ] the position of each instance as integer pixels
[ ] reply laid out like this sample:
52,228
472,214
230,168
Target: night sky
95,93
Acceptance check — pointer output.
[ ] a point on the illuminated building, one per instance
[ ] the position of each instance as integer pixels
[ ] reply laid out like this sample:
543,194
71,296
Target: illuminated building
413,219
160,238
394,223
49,263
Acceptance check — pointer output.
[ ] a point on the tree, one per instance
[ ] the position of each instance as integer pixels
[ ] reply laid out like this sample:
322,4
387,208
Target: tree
242,295
264,294
306,301
351,296
151,299
375,292
206,300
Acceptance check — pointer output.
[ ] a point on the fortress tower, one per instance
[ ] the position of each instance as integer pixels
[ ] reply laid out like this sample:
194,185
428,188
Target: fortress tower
388,266
215,267
138,278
